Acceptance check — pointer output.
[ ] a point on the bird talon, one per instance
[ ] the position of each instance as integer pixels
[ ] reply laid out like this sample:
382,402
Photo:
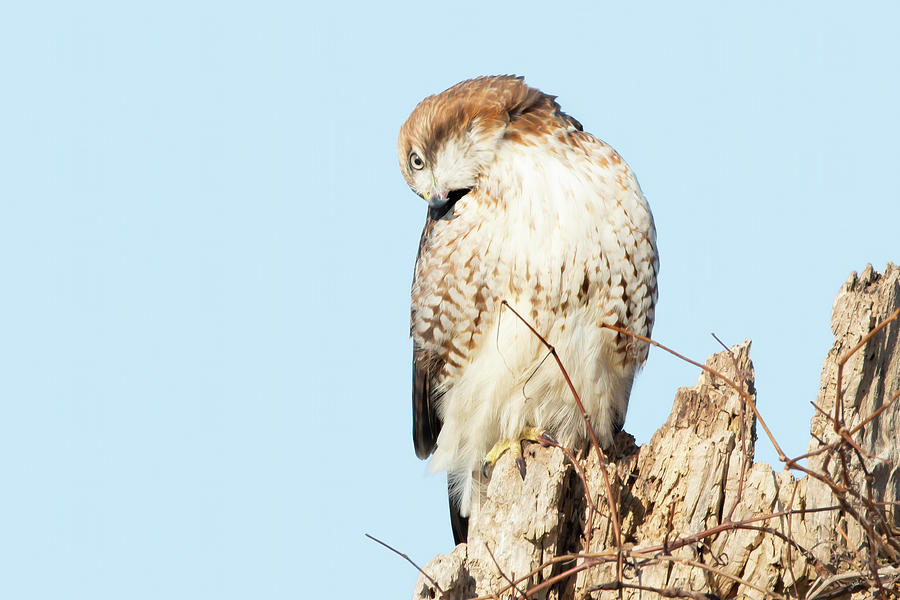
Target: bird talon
529,434
546,439
520,463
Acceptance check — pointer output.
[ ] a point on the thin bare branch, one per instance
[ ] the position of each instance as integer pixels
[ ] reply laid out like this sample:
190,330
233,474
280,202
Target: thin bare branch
839,400
502,574
711,371
610,499
408,559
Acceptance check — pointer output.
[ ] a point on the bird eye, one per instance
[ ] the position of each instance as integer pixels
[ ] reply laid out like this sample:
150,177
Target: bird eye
416,162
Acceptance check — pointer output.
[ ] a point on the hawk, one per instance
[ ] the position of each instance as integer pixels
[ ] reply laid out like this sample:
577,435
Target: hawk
523,206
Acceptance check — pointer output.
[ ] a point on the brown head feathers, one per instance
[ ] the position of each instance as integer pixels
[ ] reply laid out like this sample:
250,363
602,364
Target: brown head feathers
502,102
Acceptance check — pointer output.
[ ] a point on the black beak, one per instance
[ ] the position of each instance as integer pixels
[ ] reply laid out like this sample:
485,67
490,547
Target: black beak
439,206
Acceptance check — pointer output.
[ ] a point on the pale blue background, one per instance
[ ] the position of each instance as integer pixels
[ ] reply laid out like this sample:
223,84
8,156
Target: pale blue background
206,249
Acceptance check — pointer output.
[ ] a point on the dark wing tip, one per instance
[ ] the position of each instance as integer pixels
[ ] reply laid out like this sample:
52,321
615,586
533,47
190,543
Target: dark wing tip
426,425
458,523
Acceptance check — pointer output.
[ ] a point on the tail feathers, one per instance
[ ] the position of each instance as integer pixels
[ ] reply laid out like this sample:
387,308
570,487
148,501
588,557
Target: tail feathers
458,523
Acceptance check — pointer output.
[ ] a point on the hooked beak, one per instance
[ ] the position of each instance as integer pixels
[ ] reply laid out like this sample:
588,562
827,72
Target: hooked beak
438,198
440,202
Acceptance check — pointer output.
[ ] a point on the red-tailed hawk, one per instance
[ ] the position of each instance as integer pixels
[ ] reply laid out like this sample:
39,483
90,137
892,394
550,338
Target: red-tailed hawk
524,206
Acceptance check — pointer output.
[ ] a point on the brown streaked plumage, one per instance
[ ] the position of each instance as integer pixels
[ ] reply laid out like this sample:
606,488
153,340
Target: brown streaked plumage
524,206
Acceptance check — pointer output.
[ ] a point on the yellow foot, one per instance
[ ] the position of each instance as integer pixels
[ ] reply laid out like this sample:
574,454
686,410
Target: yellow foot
529,434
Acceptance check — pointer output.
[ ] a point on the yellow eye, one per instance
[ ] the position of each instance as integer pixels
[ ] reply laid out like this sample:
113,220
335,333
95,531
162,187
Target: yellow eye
416,162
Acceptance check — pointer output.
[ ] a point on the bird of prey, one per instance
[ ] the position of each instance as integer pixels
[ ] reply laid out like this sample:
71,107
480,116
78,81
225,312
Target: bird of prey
523,206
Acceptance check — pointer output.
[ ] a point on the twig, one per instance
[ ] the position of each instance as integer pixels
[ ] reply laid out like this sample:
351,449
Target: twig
875,414
667,592
705,567
839,399
547,563
587,491
821,585
560,577
614,515
711,371
408,559
693,539
502,574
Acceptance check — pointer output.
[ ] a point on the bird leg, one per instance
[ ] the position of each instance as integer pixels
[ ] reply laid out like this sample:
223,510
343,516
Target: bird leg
529,434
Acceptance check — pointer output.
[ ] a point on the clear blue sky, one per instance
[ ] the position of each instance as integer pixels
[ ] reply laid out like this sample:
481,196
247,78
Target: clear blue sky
206,248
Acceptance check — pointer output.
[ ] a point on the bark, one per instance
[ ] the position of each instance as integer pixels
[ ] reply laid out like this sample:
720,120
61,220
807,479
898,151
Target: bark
684,499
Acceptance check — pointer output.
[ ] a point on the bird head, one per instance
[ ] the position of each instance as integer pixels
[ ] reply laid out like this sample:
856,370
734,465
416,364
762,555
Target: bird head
450,138
441,171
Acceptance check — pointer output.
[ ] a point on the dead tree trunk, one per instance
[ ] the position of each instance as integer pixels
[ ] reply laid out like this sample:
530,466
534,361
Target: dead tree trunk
698,518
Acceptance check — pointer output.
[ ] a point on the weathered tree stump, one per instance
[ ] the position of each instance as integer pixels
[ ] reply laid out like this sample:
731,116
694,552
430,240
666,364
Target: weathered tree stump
698,518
